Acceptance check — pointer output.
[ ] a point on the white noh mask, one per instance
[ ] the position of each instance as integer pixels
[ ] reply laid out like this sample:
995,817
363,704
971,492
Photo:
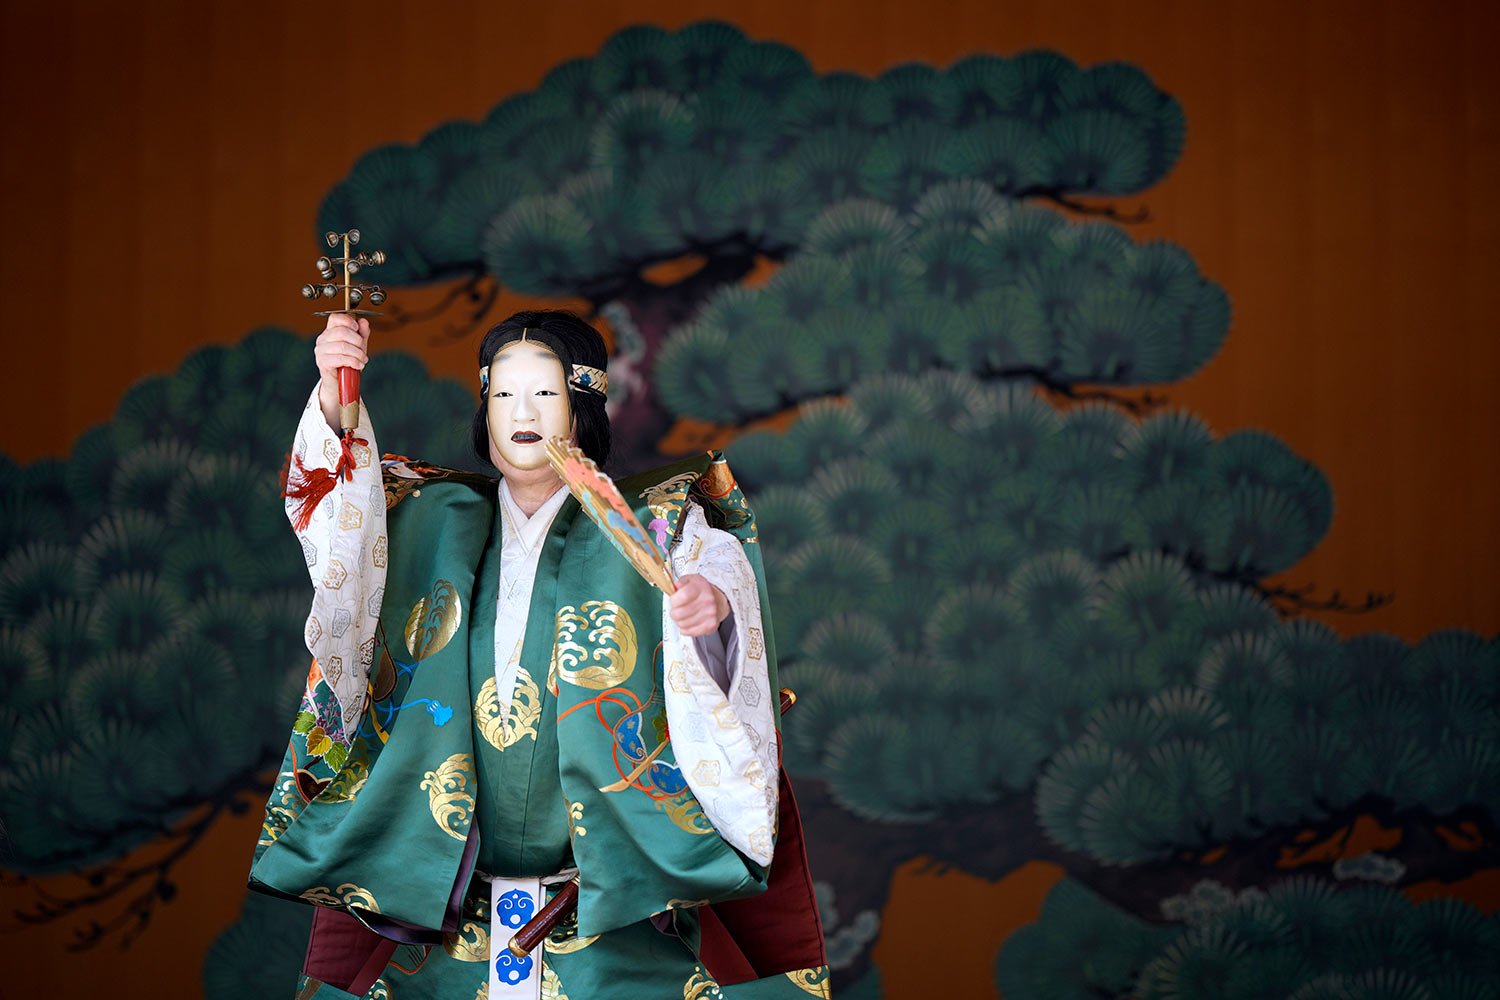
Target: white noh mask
528,403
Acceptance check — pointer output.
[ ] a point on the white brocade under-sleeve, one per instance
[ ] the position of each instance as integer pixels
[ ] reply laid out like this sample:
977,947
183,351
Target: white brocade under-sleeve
725,742
345,548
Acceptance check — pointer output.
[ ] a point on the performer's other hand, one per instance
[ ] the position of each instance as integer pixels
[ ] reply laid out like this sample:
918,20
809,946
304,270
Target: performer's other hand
343,343
698,607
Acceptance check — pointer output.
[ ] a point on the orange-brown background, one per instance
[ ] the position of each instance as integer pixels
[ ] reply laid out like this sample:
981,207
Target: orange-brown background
161,165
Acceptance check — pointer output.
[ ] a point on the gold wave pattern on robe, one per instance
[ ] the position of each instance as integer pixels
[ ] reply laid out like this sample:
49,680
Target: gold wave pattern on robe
434,620
448,795
596,645
503,727
347,894
471,943
701,986
551,985
814,982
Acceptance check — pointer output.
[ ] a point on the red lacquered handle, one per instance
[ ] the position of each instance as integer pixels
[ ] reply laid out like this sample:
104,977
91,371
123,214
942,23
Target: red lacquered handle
348,398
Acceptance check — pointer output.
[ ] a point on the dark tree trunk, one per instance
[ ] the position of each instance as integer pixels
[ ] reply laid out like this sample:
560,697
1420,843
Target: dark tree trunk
639,422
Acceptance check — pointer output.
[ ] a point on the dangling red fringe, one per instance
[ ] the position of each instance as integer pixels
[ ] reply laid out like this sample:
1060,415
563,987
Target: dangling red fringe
307,487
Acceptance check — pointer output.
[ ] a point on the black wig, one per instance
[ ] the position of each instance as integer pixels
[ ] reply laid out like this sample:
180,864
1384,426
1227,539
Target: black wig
575,343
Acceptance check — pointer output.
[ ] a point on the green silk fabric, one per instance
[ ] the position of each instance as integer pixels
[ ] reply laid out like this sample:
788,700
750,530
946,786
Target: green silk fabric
384,832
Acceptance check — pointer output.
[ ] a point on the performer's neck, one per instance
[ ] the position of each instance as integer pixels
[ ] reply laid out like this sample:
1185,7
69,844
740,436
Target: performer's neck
532,488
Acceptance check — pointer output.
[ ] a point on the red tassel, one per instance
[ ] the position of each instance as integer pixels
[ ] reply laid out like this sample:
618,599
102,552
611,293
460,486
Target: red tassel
308,487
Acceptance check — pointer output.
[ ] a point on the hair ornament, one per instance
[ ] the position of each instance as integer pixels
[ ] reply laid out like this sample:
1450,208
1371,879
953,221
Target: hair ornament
590,379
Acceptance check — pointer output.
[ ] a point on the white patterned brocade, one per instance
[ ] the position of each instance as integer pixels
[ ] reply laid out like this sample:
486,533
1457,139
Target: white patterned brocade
725,741
346,552
522,536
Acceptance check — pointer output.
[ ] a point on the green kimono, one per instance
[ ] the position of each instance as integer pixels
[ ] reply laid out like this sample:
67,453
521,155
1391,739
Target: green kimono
395,817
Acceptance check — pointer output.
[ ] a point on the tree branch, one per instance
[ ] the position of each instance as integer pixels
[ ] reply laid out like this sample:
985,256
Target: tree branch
1147,403
1072,204
1293,601
1248,862
477,288
109,881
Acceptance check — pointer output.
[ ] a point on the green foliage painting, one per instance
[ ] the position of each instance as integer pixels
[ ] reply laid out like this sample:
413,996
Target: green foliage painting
1027,615
707,144
1096,673
151,608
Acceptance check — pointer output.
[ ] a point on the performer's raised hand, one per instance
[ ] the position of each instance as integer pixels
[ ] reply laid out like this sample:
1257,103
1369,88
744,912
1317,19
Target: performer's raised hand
344,342
697,607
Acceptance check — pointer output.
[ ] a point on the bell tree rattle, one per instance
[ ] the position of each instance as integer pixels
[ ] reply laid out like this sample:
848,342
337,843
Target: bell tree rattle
354,294
306,488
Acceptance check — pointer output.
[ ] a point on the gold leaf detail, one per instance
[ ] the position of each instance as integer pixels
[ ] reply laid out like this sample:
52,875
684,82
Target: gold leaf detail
347,894
575,819
448,796
596,645
501,727
666,497
275,824
286,790
470,944
551,985
683,810
433,621
814,982
351,778
701,986
707,773
568,945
